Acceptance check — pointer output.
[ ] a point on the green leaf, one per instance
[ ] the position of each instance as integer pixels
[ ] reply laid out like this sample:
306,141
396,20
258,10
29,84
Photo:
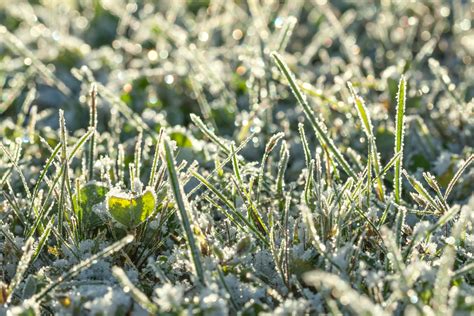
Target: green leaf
131,210
181,139
91,194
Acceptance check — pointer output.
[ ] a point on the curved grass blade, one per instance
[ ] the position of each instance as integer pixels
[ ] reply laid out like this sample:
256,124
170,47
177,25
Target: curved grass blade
424,194
83,265
137,295
210,134
457,176
304,142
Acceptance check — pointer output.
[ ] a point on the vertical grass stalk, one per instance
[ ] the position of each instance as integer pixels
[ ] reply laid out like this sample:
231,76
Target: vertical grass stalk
93,126
185,215
368,129
400,129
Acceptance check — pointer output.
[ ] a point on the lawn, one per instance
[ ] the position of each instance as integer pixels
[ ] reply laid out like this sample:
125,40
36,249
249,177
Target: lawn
217,157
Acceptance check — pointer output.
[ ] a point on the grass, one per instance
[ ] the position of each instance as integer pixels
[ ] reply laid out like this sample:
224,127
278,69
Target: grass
229,157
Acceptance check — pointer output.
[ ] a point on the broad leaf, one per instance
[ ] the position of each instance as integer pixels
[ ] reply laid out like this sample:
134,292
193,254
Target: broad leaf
91,194
131,210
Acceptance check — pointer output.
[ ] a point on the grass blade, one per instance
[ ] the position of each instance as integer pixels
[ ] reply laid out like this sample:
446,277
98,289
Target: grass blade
368,129
93,126
457,176
83,265
23,264
317,124
138,295
183,208
442,284
400,128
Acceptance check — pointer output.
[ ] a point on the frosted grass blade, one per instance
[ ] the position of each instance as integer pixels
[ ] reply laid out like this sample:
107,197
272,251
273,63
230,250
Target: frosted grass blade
182,205
457,176
368,129
83,265
318,125
138,295
400,129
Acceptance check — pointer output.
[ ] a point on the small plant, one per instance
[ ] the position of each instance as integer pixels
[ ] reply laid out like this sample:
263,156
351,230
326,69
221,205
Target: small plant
131,210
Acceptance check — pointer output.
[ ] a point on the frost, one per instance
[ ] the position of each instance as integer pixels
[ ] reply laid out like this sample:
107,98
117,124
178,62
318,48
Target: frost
108,303
442,163
85,247
137,186
450,241
61,263
290,307
169,296
421,227
469,242
28,307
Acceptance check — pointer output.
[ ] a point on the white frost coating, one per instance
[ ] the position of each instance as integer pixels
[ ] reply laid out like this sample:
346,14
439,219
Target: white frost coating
137,186
169,296
109,303
290,306
442,163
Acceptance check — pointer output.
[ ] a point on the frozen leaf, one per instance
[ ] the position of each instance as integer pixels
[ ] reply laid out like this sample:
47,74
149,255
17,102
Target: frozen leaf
91,194
131,210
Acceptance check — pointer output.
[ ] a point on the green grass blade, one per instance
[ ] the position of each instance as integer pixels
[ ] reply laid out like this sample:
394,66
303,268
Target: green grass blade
156,158
468,268
269,147
43,239
400,128
368,129
317,124
183,205
93,126
282,165
423,192
235,165
285,33
304,142
210,134
234,215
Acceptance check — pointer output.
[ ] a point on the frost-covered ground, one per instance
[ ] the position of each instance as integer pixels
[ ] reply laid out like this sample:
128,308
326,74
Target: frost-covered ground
236,157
